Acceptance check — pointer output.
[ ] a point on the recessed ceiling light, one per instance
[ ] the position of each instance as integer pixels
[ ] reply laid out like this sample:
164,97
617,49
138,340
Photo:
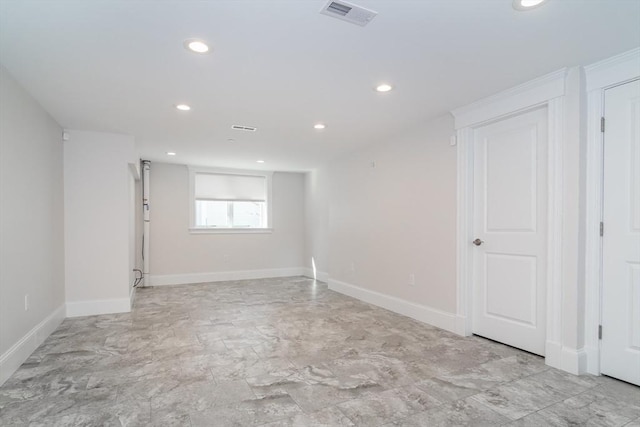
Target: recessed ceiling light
383,87
259,161
183,107
170,153
526,4
197,46
319,126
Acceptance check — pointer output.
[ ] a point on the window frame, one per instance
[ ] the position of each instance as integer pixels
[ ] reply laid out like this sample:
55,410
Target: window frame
193,171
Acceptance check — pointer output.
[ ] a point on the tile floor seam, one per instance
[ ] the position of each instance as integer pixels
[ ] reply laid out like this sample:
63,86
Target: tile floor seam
634,421
509,421
565,397
250,388
150,411
345,414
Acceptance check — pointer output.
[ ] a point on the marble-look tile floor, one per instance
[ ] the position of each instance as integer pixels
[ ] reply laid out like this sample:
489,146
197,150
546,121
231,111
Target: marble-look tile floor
289,352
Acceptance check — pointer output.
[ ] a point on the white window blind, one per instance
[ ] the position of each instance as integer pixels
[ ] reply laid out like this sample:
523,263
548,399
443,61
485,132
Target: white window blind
210,186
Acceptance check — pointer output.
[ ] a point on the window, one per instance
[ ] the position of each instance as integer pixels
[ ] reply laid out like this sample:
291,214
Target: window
229,201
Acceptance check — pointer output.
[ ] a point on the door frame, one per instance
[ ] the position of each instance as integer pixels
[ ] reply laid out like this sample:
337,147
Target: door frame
548,91
603,75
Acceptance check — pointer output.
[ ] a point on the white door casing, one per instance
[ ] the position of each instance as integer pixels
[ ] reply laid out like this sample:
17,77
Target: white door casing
620,345
510,218
600,76
547,91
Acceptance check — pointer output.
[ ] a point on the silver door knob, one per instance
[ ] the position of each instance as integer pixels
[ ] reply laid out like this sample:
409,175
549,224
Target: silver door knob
477,242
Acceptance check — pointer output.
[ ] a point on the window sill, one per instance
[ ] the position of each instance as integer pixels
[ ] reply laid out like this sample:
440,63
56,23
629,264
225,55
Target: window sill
207,230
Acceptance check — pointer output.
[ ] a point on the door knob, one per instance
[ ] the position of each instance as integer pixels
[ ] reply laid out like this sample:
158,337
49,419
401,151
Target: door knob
477,242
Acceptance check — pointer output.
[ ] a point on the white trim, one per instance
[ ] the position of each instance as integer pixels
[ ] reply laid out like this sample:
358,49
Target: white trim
600,76
524,96
95,307
592,364
422,313
464,230
567,359
11,360
193,170
229,171
308,272
321,275
593,216
553,352
612,71
223,276
461,326
546,91
573,361
135,170
555,124
210,230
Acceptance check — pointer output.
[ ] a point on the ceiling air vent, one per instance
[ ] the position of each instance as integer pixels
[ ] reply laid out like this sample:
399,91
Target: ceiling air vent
348,12
245,128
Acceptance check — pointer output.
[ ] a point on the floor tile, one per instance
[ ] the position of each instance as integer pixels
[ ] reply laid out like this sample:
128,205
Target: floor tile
290,352
445,391
202,395
465,412
323,418
519,398
387,406
249,412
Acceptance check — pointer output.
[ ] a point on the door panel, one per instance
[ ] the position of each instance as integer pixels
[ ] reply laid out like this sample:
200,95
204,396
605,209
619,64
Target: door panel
520,183
510,200
620,345
511,293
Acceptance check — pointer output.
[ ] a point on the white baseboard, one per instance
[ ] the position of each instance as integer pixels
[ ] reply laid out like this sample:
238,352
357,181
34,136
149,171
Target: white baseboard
321,276
553,354
422,313
593,360
11,360
462,326
223,276
574,361
565,358
92,308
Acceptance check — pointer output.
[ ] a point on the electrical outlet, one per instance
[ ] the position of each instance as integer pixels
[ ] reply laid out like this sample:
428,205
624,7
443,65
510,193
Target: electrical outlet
412,279
26,302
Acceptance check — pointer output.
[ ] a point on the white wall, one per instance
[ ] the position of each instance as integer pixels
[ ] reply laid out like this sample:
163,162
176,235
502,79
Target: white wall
317,224
369,228
31,225
178,256
97,217
391,220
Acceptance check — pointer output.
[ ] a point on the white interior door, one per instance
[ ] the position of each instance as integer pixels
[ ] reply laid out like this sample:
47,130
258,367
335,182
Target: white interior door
620,346
510,218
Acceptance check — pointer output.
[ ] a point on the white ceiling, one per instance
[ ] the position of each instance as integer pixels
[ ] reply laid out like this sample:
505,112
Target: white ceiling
120,66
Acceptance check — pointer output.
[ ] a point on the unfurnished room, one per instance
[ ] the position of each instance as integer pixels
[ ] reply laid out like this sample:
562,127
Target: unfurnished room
320,213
